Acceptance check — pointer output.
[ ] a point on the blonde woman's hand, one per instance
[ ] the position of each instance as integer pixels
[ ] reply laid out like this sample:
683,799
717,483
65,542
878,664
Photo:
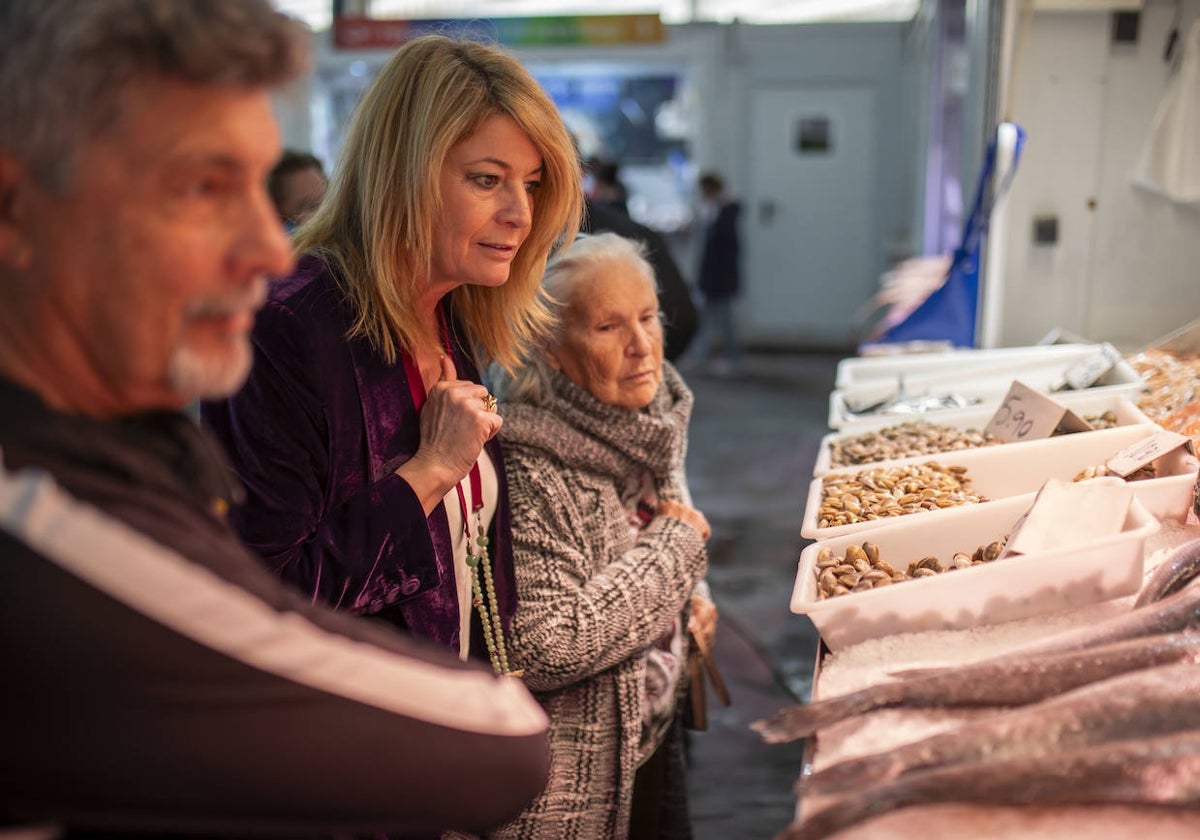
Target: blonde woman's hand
685,513
456,422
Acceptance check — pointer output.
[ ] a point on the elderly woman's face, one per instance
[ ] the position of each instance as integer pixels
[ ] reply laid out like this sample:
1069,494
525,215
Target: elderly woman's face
612,345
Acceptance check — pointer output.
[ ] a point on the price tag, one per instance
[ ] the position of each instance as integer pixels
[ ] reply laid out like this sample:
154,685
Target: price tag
1068,513
1088,370
1026,414
1132,458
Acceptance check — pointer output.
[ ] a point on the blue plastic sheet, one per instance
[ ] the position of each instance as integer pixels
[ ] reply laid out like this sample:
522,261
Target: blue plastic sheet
950,312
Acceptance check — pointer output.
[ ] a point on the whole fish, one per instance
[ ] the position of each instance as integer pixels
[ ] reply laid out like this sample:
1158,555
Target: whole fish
1154,771
1143,704
1174,612
1178,570
1002,681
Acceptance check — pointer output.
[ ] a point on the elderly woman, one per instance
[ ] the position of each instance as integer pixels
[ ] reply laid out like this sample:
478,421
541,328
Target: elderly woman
607,553
364,436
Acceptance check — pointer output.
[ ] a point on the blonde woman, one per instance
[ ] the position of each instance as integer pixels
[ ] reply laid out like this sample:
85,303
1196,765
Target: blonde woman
364,436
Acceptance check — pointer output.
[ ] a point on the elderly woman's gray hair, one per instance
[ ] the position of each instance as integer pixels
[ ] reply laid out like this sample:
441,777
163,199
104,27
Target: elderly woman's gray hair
569,276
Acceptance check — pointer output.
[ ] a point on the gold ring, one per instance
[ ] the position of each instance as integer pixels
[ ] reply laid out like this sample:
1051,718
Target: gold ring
489,403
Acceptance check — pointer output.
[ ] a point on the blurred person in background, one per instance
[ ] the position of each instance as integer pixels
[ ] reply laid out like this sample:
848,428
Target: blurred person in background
157,680
606,189
719,278
674,297
364,435
609,551
297,185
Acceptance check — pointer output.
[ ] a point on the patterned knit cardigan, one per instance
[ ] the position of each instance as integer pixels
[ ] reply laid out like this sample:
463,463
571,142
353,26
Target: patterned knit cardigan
592,595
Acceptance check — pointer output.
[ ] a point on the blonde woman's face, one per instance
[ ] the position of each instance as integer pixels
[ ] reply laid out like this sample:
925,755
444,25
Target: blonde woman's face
613,344
487,183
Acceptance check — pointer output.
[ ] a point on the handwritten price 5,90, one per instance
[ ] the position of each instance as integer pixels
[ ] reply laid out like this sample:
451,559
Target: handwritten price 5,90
1013,419
1026,414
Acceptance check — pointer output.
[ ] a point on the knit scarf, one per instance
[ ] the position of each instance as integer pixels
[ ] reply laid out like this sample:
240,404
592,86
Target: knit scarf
584,433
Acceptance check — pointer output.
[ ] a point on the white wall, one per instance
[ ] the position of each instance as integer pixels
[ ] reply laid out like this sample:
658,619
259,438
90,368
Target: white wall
848,55
1124,268
811,291
920,62
294,114
725,63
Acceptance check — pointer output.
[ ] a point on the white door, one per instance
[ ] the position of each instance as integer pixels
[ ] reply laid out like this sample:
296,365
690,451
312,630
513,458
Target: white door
809,218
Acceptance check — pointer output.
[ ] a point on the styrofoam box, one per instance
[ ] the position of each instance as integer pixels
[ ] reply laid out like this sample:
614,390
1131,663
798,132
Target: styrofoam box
998,472
982,395
1003,590
983,384
857,370
1088,405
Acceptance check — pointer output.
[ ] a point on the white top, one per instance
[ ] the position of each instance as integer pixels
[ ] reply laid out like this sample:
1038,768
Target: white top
458,539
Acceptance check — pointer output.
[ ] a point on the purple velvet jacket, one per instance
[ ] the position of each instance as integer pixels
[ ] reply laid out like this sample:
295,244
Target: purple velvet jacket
316,435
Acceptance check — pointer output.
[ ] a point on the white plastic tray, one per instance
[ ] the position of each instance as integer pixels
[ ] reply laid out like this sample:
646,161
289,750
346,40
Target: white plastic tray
1003,590
858,370
998,472
982,380
983,393
1087,405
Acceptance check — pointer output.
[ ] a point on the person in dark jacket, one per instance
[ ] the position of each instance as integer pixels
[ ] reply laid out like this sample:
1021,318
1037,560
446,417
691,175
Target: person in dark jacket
674,296
719,276
158,681
606,187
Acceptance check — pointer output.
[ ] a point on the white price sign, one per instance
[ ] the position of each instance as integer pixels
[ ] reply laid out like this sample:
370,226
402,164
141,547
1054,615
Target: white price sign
1133,458
1087,371
1026,414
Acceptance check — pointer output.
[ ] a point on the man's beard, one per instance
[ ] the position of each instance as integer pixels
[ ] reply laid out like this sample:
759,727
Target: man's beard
198,377
212,376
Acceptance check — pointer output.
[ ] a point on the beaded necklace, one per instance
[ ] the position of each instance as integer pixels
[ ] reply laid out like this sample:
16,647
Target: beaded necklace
479,564
481,567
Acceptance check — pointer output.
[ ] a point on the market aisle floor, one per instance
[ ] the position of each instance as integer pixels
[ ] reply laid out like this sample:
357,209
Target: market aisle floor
754,440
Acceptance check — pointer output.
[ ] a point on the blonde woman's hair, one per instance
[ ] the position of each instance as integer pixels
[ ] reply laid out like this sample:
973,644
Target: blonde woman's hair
376,225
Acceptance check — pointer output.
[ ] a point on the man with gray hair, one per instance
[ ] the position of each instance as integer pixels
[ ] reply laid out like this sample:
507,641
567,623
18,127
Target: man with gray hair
156,679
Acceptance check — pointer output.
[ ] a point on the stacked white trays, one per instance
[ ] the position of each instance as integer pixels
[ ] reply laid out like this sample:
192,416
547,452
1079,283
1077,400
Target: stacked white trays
1009,475
982,376
1085,405
1014,469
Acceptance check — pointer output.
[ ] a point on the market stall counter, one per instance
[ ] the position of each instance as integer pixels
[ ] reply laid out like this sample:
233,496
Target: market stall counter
949,811
1057,717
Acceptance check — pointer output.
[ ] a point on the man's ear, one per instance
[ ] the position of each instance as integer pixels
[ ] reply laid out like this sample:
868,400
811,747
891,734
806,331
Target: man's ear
15,251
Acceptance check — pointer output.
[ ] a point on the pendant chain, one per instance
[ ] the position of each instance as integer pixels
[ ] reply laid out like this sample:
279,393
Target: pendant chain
485,596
